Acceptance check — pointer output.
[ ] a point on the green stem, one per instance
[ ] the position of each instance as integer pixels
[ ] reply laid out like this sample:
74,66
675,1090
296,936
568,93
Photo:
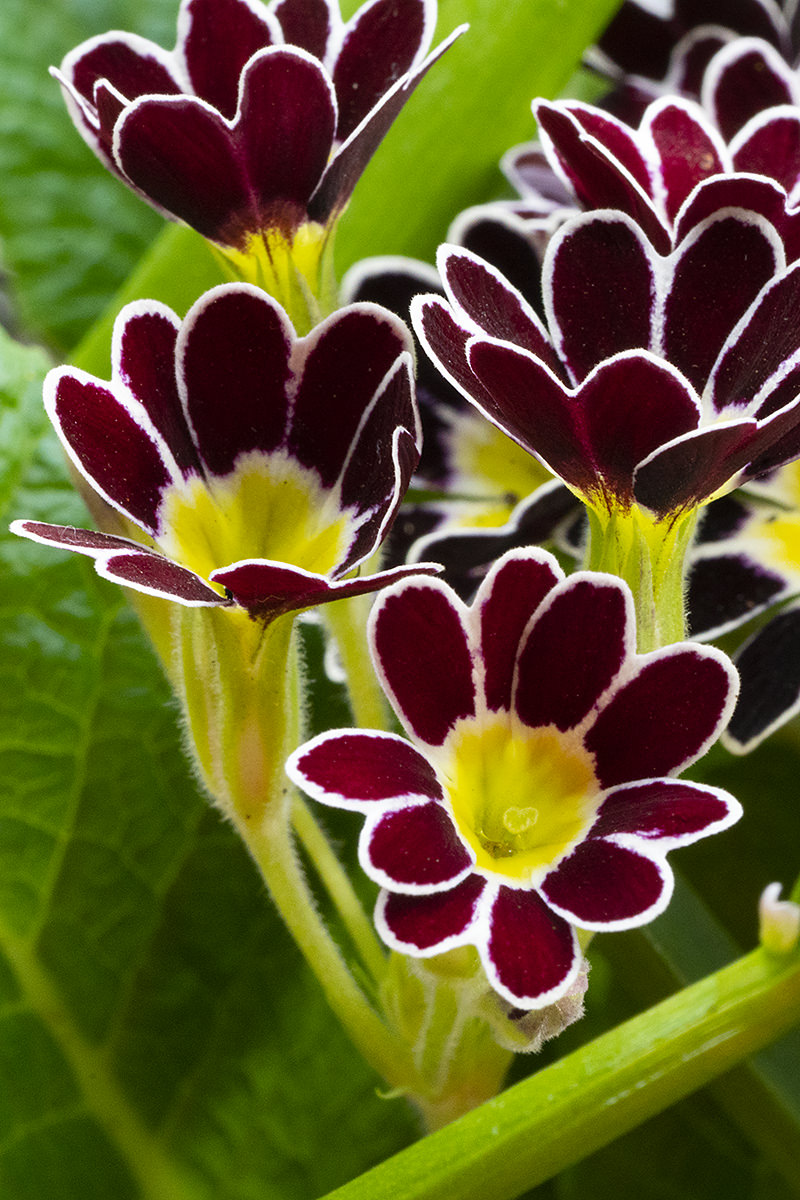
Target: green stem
559,1116
271,847
337,884
650,557
346,620
241,692
297,272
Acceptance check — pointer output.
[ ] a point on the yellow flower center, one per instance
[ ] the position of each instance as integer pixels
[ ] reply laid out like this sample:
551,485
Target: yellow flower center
268,507
522,798
487,463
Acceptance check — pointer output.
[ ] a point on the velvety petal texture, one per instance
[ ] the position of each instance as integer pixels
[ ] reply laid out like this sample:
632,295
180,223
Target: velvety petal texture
538,792
267,494
261,119
661,379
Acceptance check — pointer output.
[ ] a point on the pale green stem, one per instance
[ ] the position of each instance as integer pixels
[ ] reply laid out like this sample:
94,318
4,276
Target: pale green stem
337,884
298,273
275,856
241,691
346,620
558,1117
650,556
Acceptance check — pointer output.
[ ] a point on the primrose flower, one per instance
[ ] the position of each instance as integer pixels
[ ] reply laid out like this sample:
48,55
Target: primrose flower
253,467
462,453
261,120
658,381
666,49
537,795
671,172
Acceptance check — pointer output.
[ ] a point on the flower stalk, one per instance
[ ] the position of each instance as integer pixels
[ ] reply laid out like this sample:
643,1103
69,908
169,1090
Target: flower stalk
650,556
537,1128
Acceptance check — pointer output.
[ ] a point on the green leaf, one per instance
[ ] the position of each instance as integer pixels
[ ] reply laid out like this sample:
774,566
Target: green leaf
71,232
159,1036
440,156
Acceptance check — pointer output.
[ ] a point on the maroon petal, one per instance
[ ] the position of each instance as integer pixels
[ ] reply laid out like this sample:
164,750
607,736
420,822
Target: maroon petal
143,355
220,36
501,235
306,23
599,179
603,885
114,450
348,163
345,361
487,300
523,398
268,589
688,148
631,406
762,347
666,810
769,665
507,600
664,716
421,649
710,291
532,954
758,195
744,78
284,133
354,769
383,41
131,64
694,467
66,537
382,461
727,589
414,849
235,333
599,282
574,649
529,170
445,341
180,154
158,576
770,145
429,924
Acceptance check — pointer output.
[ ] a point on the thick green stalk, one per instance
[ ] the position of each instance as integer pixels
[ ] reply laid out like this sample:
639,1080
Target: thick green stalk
650,557
536,1129
340,890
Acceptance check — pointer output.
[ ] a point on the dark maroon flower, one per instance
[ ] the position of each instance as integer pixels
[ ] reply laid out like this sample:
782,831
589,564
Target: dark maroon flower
660,381
672,172
663,46
261,119
769,663
538,791
462,454
261,468
650,53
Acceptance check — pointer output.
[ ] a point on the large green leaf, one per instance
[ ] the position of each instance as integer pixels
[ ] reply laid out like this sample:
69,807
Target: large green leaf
159,1036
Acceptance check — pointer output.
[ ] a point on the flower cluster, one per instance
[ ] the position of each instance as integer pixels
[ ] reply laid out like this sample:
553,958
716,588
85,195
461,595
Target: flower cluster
602,361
